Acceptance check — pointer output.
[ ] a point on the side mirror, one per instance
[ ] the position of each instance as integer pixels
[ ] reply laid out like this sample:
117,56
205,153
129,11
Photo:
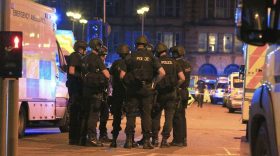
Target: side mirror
254,21
242,72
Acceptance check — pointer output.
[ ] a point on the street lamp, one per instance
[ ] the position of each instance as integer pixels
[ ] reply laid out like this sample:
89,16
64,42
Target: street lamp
142,12
83,22
73,17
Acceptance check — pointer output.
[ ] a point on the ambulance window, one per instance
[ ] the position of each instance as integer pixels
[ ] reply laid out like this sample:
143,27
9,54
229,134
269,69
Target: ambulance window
60,59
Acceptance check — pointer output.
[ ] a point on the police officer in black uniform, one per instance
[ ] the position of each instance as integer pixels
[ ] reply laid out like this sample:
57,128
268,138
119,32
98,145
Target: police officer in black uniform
179,120
201,87
118,95
74,84
166,95
138,75
95,78
104,110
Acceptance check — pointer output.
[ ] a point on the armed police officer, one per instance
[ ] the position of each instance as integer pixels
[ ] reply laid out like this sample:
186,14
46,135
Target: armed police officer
95,79
74,84
119,92
104,110
166,95
139,77
179,120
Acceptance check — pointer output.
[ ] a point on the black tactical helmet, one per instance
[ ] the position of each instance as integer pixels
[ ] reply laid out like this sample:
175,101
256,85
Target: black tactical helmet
177,51
103,51
160,47
150,48
80,44
95,43
141,40
123,49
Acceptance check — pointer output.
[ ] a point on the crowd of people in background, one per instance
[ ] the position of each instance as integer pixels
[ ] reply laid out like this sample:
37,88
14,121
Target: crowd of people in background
144,83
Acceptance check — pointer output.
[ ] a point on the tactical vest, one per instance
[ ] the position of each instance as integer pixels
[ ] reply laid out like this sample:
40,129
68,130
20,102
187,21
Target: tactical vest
141,69
169,82
93,76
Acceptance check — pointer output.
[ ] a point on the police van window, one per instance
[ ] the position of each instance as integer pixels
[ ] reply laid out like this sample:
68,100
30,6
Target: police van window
60,59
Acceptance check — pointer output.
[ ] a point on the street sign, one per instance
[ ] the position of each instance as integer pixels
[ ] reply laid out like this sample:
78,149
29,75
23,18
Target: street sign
10,54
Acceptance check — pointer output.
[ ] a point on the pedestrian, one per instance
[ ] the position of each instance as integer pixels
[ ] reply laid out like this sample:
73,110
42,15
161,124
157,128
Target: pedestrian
104,110
95,79
179,120
200,87
119,92
74,84
167,95
139,76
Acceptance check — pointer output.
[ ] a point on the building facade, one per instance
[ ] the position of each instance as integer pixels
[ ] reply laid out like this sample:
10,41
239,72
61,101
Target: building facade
204,27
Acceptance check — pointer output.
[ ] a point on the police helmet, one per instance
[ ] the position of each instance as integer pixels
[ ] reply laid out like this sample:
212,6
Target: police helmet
123,49
80,44
150,47
142,40
177,51
160,48
95,43
103,51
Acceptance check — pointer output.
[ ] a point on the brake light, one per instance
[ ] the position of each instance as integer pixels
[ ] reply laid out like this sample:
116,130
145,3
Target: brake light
16,42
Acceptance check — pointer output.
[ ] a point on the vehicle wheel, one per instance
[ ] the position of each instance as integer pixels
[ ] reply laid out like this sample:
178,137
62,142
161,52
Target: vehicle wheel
64,123
231,110
22,122
261,147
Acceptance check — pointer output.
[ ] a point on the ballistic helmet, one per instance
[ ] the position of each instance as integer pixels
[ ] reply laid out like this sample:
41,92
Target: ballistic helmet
95,43
141,40
80,44
177,51
123,49
161,47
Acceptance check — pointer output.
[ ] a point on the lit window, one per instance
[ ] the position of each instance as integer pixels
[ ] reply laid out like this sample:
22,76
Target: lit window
227,43
212,42
168,39
202,42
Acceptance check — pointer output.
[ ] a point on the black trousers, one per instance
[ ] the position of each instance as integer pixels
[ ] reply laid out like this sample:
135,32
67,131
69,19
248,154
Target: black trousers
167,103
179,125
74,108
117,106
90,117
200,100
143,104
104,116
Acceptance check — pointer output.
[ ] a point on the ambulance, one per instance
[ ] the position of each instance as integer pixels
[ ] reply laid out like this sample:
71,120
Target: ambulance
235,92
43,95
252,73
257,23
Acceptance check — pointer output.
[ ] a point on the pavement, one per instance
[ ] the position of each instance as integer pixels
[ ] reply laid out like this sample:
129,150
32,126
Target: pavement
212,131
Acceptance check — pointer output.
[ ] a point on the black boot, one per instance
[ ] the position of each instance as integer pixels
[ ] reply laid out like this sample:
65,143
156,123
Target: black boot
155,141
114,141
92,141
147,143
134,144
140,142
164,143
185,142
128,142
104,138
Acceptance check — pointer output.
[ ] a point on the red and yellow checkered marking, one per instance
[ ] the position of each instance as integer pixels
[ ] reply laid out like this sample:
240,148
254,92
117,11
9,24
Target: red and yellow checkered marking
255,64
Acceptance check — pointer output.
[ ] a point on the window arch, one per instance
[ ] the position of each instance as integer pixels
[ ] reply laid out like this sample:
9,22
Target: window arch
207,69
231,68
